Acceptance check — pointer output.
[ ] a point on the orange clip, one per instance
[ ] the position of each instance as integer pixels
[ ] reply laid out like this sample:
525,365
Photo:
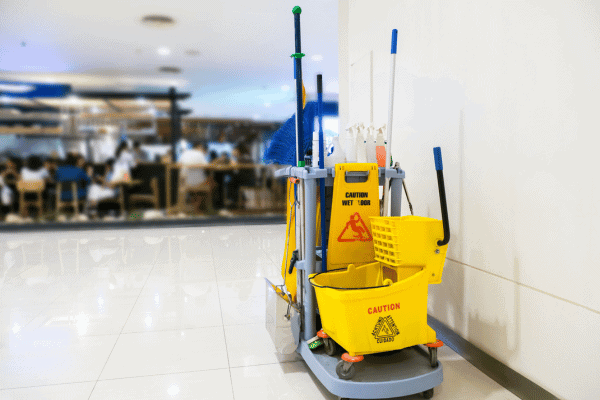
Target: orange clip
294,180
348,358
322,334
438,343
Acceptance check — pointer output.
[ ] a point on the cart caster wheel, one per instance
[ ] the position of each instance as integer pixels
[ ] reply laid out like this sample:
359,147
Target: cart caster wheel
345,370
331,347
433,352
433,359
428,394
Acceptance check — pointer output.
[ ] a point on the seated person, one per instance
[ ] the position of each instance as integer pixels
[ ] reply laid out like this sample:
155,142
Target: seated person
10,173
197,156
72,173
102,187
242,177
8,184
34,170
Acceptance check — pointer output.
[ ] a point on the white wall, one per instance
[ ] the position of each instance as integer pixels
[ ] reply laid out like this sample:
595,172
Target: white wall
511,92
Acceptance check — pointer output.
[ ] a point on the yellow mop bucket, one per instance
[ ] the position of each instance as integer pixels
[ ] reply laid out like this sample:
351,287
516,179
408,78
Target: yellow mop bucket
374,308
410,242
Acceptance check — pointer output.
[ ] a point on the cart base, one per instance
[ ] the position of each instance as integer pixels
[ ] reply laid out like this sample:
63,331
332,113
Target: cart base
377,377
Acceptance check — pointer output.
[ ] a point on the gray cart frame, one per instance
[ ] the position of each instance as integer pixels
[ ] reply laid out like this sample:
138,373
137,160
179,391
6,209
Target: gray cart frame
377,377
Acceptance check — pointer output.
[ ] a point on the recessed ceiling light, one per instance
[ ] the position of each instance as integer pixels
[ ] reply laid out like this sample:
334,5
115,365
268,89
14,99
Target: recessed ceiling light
285,88
163,51
73,99
267,105
317,57
158,21
192,53
170,70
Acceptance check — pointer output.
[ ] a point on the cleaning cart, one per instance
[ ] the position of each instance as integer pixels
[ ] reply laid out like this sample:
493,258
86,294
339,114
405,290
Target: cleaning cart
363,291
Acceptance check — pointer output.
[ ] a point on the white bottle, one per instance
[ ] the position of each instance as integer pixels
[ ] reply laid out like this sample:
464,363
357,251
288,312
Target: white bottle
337,155
380,146
316,151
350,144
371,146
361,144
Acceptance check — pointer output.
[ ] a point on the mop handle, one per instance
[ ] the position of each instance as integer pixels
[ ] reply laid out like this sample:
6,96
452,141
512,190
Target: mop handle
298,74
439,167
320,115
388,145
388,154
322,180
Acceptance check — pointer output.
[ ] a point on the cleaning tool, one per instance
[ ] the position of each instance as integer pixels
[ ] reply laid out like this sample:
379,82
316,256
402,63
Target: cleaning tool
316,152
322,180
282,149
350,144
439,167
298,76
371,146
337,155
380,147
361,144
299,130
388,145
282,319
355,199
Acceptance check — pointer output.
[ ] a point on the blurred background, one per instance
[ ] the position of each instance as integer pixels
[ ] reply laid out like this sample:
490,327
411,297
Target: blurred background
134,110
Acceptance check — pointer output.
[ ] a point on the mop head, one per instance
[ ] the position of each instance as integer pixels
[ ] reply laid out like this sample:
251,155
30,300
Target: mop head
282,149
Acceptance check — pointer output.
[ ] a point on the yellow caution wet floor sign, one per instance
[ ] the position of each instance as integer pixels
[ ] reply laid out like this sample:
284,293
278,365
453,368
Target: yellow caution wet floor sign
350,238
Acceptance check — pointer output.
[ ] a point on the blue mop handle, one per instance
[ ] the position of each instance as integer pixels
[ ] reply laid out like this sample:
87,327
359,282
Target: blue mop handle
437,155
299,106
439,167
322,180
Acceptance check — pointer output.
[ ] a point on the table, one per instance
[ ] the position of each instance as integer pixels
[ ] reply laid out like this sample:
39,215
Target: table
211,168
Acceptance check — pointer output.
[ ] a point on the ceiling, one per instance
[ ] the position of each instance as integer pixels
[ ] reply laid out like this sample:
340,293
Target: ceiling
243,68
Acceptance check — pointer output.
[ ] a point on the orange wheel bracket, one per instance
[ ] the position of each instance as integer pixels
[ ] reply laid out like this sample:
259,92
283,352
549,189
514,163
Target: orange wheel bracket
322,334
438,343
348,358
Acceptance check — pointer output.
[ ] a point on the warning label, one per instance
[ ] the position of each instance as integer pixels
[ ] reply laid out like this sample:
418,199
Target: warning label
385,330
355,230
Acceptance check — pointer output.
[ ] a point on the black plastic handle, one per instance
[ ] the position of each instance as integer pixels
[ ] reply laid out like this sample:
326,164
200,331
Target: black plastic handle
437,154
293,261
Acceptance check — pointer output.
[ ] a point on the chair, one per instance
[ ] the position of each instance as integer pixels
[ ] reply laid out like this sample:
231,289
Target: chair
205,189
73,203
31,187
153,197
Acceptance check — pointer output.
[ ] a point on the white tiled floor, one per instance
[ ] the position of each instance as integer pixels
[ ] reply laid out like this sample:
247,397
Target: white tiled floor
158,314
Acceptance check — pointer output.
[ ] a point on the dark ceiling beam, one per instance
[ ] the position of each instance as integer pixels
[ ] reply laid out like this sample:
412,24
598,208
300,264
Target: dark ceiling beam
28,122
30,108
130,95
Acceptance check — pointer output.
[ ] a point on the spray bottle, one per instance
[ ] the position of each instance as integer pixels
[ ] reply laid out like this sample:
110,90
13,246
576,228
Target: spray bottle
361,144
380,146
371,146
337,154
350,144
